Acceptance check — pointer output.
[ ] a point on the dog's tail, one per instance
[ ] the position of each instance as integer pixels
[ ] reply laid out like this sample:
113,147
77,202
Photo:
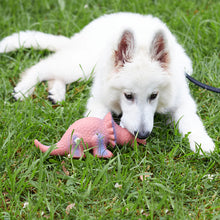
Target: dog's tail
33,39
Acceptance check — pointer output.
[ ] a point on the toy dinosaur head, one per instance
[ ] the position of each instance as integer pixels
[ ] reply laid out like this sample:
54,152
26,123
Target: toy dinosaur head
117,134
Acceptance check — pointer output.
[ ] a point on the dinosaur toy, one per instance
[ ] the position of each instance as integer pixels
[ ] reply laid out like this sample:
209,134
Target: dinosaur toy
91,133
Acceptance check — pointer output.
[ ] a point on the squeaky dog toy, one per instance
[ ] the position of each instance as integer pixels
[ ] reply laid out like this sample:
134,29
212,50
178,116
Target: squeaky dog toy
91,133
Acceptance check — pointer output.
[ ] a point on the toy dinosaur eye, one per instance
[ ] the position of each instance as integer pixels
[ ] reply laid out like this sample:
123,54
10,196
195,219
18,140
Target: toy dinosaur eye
129,96
153,96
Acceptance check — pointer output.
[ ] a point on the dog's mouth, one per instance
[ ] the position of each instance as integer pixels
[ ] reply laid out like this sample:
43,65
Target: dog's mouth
139,134
142,134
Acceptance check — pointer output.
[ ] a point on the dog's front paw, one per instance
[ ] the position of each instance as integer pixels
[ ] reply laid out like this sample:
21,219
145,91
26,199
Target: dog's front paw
201,143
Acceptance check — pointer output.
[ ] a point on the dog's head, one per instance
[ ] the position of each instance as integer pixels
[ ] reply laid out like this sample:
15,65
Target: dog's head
142,80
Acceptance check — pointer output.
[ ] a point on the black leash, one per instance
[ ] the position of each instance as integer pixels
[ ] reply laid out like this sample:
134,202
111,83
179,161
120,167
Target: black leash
202,85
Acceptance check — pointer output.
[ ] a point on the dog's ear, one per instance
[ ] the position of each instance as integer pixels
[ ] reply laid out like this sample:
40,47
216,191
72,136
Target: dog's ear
125,50
159,50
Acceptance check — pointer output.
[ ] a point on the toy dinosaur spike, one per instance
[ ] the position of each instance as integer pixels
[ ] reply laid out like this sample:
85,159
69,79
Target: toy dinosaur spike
92,133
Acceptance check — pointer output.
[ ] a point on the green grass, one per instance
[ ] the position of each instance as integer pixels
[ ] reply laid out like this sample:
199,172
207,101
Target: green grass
178,185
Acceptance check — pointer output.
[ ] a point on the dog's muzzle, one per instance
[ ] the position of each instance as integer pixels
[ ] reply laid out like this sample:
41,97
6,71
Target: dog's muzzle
142,134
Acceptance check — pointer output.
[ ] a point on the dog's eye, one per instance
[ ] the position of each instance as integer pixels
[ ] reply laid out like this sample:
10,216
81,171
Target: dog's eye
153,96
129,96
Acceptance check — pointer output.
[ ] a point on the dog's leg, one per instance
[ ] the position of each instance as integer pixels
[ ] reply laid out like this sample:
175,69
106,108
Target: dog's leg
189,123
96,108
27,83
59,68
37,73
57,90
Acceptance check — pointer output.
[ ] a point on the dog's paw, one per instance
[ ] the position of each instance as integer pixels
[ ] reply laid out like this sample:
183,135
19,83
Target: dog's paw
20,92
4,46
56,91
55,97
202,144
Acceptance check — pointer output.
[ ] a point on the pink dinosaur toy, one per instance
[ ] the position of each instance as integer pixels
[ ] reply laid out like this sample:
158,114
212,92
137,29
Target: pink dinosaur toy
91,133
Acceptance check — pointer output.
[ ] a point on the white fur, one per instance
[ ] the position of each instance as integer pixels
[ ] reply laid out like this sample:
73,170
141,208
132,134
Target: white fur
141,76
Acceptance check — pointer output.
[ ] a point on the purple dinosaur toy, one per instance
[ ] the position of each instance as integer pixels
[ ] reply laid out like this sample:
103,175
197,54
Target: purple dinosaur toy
91,133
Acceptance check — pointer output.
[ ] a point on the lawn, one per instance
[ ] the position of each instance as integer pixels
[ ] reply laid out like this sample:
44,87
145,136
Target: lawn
161,180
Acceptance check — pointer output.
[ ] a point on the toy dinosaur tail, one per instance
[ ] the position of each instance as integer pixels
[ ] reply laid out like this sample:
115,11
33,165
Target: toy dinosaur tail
60,148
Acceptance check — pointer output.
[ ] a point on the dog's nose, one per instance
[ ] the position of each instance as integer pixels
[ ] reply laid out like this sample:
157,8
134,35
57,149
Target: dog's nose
142,134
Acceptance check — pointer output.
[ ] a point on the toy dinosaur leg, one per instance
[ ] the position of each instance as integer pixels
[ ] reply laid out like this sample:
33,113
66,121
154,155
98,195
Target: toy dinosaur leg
76,150
101,150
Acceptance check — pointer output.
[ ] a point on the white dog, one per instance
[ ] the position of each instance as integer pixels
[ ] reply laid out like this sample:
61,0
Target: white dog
139,70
